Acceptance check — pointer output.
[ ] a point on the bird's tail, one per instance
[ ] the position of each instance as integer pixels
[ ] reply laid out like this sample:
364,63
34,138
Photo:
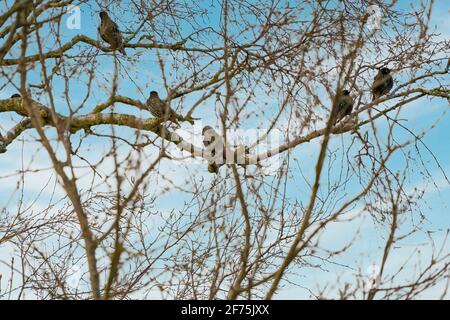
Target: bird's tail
187,118
122,51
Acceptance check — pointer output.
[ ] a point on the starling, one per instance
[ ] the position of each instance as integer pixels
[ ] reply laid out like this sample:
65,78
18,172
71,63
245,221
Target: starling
157,107
110,33
382,83
210,136
16,95
161,109
344,106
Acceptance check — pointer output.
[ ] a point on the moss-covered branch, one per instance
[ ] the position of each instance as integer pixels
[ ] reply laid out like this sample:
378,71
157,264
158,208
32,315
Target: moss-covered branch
57,53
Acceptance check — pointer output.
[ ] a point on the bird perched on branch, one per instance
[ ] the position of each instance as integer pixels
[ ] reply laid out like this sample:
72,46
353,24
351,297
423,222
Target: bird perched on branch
15,95
213,143
110,33
161,109
344,106
382,83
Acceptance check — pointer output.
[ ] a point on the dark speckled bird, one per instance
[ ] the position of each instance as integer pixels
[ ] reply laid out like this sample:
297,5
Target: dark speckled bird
208,135
382,83
159,108
344,106
110,33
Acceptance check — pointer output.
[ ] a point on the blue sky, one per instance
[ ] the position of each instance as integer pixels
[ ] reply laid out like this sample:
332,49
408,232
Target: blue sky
419,116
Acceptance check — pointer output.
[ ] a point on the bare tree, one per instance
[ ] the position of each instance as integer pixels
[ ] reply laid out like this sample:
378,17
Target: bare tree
107,201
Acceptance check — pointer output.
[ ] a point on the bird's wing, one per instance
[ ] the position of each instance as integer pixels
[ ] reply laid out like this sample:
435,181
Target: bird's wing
343,104
102,34
378,83
349,106
163,106
113,27
384,83
390,83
